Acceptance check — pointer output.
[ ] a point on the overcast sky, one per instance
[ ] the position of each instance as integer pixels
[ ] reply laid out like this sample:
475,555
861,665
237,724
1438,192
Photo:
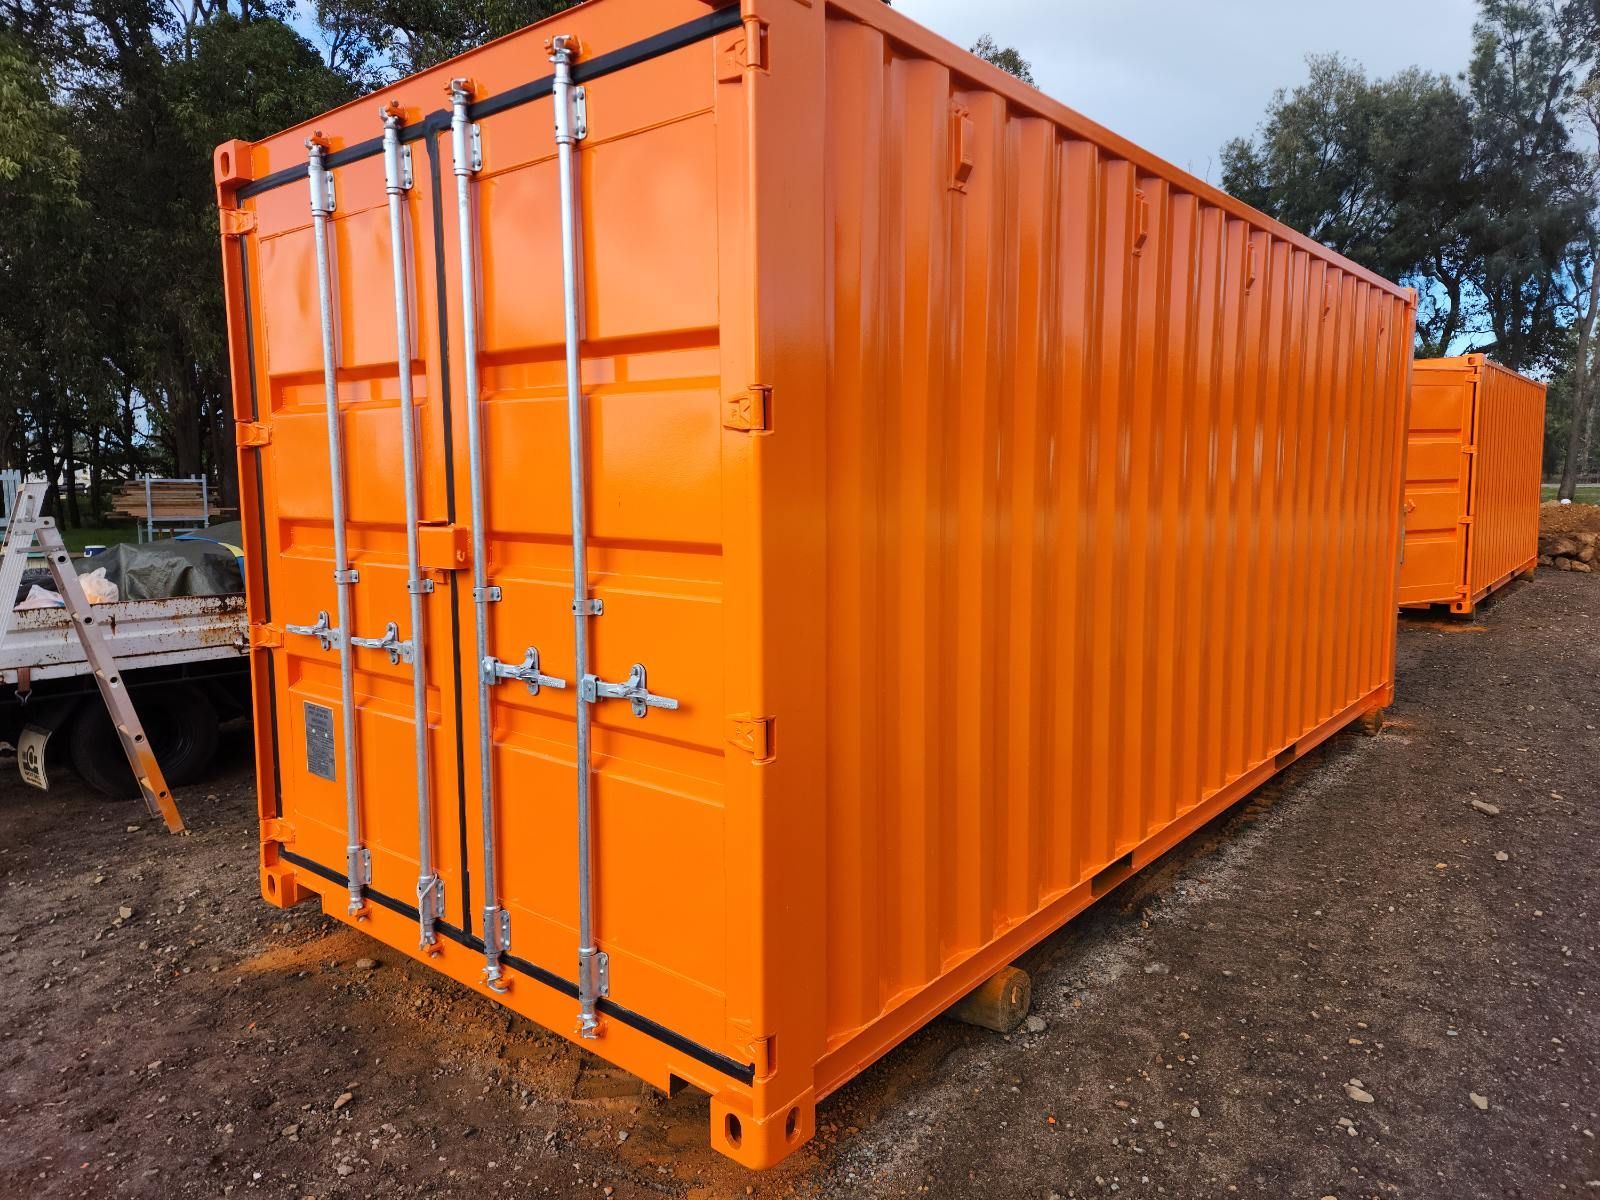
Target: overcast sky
1181,77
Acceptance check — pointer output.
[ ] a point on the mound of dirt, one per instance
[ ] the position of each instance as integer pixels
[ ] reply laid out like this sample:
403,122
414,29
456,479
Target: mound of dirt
1569,537
1569,518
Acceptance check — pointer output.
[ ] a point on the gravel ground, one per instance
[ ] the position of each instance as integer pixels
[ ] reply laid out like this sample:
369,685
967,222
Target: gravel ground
1355,984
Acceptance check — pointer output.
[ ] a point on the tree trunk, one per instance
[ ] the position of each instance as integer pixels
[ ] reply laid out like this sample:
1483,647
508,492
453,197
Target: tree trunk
184,413
96,462
224,454
49,468
70,442
9,460
1581,386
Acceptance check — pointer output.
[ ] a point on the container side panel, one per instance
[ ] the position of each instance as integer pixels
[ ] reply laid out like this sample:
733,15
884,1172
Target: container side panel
1508,437
1111,477
1434,570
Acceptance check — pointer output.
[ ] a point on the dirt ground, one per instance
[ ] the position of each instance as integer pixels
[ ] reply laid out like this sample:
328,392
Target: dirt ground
1200,1033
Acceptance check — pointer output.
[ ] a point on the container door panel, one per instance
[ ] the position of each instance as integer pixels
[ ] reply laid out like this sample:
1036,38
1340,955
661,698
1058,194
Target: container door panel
1436,487
647,214
298,536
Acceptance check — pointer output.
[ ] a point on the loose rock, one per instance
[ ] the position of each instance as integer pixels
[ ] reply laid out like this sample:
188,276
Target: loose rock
344,1098
1486,808
1480,1102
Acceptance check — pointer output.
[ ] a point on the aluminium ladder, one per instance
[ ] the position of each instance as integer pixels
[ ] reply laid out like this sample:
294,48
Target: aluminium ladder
27,524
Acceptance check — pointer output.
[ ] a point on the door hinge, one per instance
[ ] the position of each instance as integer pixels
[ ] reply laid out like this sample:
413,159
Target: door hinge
758,1048
266,637
236,222
276,829
745,48
251,433
753,735
749,411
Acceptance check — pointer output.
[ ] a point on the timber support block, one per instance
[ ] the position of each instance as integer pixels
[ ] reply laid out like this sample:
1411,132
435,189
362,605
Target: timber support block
1001,1003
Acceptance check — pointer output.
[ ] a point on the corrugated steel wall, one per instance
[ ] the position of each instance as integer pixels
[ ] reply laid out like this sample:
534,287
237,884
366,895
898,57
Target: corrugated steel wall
1113,495
1509,440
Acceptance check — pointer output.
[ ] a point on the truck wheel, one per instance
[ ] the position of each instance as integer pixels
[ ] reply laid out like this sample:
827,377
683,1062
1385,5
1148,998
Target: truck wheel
180,723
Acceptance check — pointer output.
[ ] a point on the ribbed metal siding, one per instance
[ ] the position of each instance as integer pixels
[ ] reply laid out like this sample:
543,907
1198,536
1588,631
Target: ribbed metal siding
1113,491
1509,440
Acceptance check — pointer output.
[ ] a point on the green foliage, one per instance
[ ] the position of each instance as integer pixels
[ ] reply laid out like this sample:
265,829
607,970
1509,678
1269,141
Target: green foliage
378,41
112,331
1479,191
1007,58
1531,200
47,361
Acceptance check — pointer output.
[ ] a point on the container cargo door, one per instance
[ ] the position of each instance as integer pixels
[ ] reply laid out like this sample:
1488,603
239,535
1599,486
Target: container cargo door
1438,465
652,499
315,758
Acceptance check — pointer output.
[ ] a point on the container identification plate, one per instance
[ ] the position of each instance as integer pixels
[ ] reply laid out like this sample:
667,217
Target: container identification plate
319,740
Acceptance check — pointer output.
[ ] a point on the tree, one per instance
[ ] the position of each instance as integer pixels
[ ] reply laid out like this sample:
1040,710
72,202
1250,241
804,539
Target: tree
143,92
46,344
1473,192
1584,301
1379,170
1532,200
1007,58
378,41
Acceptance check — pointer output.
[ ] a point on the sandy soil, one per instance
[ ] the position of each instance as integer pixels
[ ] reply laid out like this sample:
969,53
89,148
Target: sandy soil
163,1033
1569,518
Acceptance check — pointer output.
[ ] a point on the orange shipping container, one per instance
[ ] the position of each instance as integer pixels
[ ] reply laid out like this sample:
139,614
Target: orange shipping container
1476,445
969,505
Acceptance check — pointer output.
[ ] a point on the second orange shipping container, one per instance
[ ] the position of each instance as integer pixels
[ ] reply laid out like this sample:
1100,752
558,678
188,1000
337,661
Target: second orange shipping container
1476,445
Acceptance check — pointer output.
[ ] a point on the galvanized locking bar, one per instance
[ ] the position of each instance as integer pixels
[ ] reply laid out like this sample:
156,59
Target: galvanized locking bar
397,180
563,50
633,689
529,673
466,160
344,576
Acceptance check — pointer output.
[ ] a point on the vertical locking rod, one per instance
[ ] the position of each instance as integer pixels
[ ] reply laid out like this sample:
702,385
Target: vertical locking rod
495,925
562,51
430,892
343,577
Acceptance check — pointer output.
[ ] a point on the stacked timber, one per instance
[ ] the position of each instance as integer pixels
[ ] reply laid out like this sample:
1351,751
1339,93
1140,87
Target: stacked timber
169,500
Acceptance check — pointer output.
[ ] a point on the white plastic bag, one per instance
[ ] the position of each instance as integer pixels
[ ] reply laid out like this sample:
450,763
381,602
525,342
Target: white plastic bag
40,597
98,588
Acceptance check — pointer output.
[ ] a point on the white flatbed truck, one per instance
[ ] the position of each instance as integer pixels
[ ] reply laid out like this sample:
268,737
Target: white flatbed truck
184,660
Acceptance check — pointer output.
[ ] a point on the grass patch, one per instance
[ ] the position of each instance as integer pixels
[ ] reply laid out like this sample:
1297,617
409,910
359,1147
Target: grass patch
110,535
1585,493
